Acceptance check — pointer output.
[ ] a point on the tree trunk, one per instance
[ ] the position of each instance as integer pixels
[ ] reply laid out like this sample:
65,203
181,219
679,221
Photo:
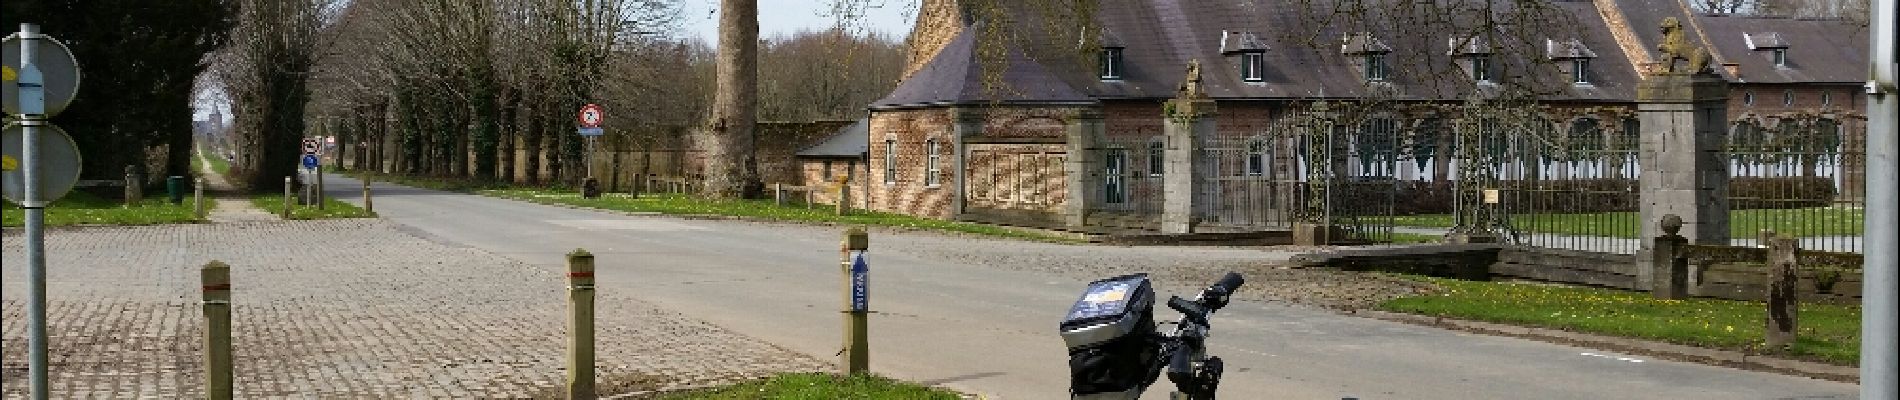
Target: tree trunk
727,140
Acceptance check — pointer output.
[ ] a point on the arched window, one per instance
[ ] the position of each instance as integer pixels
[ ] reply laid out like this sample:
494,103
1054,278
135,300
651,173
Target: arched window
1585,140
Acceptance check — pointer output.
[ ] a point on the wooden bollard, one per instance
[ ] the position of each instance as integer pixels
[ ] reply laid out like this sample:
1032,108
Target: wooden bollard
857,303
367,205
580,325
1782,305
216,277
317,194
198,197
286,197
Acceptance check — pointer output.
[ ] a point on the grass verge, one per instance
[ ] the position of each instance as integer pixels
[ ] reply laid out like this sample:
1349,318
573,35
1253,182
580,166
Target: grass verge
677,204
814,386
1797,222
332,208
1827,333
81,208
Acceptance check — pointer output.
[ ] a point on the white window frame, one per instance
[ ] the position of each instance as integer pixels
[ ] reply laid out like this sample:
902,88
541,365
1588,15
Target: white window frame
1780,57
890,161
1580,71
1787,98
931,169
1111,64
1252,67
1375,67
1481,68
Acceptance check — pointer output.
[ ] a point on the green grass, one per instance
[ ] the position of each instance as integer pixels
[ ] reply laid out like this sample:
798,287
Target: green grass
818,387
677,204
1802,222
332,208
1828,333
81,208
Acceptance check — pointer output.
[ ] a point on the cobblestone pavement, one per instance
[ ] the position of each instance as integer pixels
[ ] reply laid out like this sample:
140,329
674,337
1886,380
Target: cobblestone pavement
371,313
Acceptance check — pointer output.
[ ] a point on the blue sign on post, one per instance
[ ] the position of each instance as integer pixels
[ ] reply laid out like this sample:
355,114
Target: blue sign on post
309,161
860,282
592,131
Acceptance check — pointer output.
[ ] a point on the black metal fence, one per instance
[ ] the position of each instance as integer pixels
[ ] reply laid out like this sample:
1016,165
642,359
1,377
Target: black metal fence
1798,175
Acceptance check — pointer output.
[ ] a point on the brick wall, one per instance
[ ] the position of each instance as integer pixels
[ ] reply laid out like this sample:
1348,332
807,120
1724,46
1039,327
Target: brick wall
814,174
906,192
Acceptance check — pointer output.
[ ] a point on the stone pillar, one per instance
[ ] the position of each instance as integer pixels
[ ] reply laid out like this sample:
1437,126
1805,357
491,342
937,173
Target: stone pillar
1085,134
969,123
1782,307
1684,118
1189,122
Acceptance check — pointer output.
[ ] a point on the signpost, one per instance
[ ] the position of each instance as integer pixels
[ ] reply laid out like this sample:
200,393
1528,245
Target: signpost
591,116
41,79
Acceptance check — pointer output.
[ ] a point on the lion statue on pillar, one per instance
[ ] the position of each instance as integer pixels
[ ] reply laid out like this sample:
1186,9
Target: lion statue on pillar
1675,46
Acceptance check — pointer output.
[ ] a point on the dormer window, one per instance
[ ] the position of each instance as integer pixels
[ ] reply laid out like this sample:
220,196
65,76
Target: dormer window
1481,68
1250,49
1375,67
1111,67
1576,54
1772,42
1371,53
1252,66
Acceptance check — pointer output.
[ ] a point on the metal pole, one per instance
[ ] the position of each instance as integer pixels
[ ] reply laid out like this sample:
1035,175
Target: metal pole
1878,362
35,217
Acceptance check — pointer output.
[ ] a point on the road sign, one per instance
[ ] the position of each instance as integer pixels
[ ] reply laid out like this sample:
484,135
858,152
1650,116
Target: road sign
310,145
59,73
58,168
592,131
309,161
592,115
860,282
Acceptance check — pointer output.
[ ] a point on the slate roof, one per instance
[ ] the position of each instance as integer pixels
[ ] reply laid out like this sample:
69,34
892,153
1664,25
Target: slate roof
848,142
1304,58
956,76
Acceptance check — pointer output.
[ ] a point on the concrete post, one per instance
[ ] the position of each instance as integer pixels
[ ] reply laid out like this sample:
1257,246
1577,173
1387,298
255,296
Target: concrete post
580,325
287,197
134,187
857,339
1684,119
216,278
1782,307
198,198
1671,280
778,194
1190,121
1084,137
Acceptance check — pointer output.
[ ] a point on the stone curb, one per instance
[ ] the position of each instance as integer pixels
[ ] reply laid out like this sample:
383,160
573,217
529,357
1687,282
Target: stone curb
1670,351
715,217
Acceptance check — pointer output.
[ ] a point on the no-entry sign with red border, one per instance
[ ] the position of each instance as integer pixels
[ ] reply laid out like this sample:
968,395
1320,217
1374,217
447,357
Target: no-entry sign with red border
591,115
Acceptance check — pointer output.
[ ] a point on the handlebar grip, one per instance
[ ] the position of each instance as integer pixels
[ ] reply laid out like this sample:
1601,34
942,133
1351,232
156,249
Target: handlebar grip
1231,282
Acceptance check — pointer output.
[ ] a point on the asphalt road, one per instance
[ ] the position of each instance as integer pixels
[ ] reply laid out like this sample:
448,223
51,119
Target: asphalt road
991,330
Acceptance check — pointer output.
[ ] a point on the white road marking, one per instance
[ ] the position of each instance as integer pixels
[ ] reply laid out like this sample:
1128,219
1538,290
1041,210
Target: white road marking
1612,357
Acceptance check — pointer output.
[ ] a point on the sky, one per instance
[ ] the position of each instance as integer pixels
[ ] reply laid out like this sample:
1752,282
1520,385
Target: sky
699,18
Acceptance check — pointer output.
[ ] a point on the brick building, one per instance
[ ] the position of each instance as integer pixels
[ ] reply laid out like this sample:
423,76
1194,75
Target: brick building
1062,118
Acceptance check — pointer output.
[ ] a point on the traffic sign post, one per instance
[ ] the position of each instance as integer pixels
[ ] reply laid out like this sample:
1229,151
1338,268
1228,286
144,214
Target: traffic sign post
590,117
41,79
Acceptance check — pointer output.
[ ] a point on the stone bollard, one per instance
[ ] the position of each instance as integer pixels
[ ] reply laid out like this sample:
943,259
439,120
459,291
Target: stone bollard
216,277
1670,279
367,205
198,197
1782,304
808,197
580,325
778,194
857,304
1764,237
133,187
286,197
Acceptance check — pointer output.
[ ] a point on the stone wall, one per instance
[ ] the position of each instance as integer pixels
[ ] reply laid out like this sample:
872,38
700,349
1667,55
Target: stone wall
854,172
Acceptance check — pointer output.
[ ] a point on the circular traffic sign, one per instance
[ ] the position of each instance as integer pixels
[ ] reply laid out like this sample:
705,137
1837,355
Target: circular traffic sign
591,115
56,64
58,168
